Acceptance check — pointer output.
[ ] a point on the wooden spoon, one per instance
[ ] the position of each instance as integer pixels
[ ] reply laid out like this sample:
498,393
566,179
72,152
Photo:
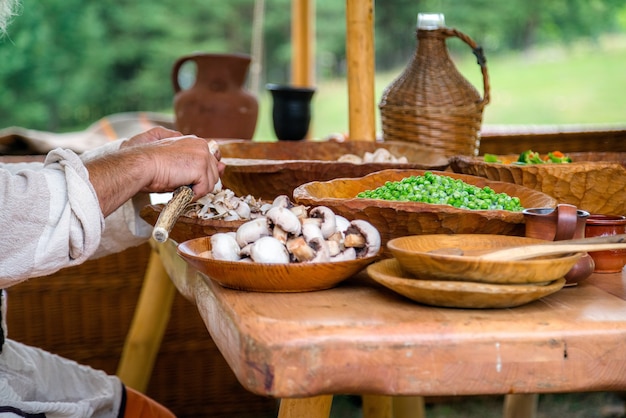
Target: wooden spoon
611,242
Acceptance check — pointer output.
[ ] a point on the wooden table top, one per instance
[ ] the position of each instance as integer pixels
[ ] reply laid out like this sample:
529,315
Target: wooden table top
360,338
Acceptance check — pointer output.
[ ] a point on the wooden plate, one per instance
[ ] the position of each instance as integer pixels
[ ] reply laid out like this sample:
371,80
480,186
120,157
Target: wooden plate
413,254
397,219
259,277
595,181
270,169
457,294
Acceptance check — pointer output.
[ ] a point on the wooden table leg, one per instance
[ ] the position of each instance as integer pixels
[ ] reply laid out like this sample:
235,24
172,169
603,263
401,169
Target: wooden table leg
315,407
408,407
375,406
147,327
523,405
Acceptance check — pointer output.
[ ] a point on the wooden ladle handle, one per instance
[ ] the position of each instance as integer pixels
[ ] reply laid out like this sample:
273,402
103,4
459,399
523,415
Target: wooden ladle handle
610,242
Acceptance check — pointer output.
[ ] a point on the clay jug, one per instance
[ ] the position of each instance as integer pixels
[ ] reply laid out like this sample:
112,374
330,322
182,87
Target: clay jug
217,105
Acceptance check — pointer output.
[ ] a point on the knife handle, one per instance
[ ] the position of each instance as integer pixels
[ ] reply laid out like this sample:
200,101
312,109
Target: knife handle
170,213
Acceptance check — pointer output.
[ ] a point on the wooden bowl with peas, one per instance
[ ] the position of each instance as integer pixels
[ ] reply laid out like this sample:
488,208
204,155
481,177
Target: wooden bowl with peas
591,181
395,213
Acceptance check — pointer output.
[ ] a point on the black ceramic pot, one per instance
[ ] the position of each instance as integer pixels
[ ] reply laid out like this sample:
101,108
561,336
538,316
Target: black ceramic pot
291,111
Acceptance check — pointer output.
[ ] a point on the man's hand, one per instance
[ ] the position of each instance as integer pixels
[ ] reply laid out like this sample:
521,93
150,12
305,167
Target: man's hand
156,161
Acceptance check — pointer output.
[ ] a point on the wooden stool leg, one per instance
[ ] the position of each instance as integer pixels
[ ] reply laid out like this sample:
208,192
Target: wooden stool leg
147,327
375,406
520,405
315,407
408,407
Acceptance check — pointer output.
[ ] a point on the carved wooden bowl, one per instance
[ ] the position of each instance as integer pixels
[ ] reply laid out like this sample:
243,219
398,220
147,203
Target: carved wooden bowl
595,181
269,169
397,219
260,277
418,256
458,294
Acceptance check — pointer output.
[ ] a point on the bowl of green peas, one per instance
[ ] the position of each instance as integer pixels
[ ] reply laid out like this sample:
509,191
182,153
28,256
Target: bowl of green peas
414,202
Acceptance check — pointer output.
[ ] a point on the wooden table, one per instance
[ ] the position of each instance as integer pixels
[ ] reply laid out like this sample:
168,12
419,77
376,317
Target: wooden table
360,338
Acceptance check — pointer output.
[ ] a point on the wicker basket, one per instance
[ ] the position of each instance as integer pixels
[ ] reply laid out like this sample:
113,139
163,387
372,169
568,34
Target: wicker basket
84,313
431,102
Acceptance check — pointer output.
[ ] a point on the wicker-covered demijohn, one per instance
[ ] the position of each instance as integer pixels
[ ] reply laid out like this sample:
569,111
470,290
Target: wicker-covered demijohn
431,102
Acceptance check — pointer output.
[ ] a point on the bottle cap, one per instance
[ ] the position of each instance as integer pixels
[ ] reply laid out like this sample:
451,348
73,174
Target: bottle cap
430,21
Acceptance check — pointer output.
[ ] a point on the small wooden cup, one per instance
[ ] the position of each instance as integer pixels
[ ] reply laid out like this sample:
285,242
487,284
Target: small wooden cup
611,261
564,222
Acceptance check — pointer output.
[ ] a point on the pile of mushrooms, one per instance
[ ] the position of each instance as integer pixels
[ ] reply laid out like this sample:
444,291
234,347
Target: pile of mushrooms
289,233
381,155
225,205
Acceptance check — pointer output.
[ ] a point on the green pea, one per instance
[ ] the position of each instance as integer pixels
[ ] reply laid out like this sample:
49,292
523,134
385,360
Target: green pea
436,189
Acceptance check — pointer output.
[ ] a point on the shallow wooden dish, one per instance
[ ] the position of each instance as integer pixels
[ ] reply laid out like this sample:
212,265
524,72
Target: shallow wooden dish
458,294
414,255
270,169
595,181
258,277
398,219
186,227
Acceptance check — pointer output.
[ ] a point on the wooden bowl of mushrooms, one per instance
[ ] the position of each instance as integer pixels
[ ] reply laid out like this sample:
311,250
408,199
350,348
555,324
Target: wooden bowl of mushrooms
270,169
292,248
395,218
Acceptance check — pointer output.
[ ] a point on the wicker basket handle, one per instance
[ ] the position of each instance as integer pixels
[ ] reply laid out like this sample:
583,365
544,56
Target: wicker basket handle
480,56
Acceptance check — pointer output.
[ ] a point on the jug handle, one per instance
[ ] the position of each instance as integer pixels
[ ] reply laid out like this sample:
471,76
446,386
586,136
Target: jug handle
176,68
567,218
480,57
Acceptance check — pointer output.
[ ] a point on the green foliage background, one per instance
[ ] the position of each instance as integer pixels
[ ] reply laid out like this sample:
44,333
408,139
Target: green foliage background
67,63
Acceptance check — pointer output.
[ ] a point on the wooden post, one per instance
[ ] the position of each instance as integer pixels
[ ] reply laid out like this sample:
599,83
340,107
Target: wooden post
302,43
520,405
147,327
361,69
377,406
314,407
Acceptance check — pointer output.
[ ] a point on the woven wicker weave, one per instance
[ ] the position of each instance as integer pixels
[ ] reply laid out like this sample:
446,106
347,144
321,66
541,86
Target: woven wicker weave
431,102
84,313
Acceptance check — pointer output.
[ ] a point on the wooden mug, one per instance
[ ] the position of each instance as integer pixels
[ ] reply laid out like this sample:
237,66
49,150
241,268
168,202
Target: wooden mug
555,224
561,223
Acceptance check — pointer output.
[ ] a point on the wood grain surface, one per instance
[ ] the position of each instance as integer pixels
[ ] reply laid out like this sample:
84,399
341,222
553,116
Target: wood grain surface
595,181
363,338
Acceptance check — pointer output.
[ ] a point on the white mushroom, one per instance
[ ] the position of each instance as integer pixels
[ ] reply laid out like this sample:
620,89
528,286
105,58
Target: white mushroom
322,254
311,230
364,237
345,255
342,223
269,250
350,158
231,215
282,201
335,243
285,219
242,208
329,224
245,251
382,155
301,251
252,230
224,247
334,247
300,211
